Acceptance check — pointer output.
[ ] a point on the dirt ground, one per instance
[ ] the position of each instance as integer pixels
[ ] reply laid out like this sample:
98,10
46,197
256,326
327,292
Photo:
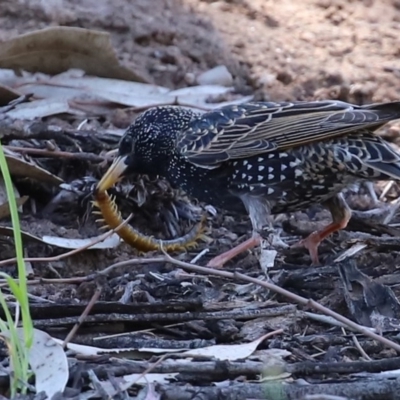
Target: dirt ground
276,50
284,51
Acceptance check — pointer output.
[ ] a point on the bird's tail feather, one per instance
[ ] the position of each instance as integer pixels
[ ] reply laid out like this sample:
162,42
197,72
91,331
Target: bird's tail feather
379,160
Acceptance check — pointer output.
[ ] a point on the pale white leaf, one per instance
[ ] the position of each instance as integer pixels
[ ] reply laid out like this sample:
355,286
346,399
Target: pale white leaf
69,243
48,362
106,85
239,100
201,91
39,109
227,352
45,91
93,351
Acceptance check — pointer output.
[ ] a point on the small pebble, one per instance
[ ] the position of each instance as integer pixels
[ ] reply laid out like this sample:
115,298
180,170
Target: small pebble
216,76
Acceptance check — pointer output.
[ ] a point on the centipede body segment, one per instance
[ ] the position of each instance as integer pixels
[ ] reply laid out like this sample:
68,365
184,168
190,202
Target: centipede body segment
112,217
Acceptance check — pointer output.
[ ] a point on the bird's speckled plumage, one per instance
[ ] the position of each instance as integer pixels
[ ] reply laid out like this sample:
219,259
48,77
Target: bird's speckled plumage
269,157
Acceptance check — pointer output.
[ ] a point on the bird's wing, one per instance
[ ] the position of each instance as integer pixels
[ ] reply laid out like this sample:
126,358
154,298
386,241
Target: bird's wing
250,129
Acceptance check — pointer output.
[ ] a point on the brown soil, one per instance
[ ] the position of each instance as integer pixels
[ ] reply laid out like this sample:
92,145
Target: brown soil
277,50
286,50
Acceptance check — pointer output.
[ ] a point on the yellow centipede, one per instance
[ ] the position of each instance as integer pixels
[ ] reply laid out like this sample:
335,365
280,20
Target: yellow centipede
138,240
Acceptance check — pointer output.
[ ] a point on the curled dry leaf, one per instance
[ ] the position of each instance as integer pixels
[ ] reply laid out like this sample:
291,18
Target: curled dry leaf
21,167
57,49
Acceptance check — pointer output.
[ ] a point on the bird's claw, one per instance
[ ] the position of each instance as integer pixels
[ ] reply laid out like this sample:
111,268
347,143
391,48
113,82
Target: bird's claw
311,243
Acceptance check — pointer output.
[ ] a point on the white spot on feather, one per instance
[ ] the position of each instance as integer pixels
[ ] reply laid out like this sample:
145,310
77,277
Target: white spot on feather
261,168
293,164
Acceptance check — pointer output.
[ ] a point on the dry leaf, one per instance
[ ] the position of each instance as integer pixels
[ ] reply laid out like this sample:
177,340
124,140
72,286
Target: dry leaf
57,49
3,191
73,92
5,207
7,95
39,109
8,231
67,243
48,362
148,393
4,203
129,352
21,167
227,352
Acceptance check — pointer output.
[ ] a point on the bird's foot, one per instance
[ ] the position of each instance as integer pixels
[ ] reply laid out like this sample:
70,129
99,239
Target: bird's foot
220,260
311,243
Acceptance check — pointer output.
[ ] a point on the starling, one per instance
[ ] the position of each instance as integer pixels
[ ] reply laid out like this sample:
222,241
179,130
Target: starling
263,158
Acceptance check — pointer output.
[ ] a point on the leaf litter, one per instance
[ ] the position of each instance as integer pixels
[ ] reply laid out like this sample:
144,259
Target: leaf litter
66,96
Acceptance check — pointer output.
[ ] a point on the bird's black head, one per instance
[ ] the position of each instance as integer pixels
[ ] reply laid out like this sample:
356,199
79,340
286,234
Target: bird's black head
149,143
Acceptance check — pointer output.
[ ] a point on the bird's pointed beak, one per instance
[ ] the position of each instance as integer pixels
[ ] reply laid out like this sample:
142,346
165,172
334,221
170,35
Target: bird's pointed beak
113,174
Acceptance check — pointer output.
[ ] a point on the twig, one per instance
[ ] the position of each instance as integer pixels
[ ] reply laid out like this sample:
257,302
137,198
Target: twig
81,319
268,285
58,154
359,348
72,252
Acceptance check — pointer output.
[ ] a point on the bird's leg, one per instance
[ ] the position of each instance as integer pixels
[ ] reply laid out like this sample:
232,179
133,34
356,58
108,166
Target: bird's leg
341,214
221,259
259,212
371,191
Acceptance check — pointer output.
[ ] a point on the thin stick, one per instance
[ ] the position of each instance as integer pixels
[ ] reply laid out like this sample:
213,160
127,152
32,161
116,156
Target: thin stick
268,285
72,252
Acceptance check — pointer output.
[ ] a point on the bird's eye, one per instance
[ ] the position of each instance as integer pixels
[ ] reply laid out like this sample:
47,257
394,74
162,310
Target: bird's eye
126,145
